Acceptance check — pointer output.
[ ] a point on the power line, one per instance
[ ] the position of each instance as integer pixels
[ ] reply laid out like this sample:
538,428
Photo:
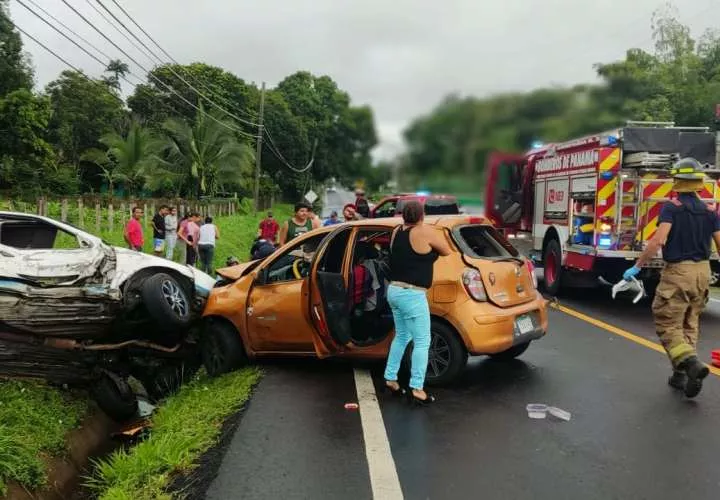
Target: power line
197,81
100,13
274,150
95,58
64,61
151,75
175,73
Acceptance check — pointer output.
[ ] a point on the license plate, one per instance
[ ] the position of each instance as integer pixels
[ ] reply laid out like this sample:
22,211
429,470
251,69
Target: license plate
524,325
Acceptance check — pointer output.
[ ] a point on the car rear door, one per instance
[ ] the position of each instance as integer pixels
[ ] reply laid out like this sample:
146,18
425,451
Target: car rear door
504,189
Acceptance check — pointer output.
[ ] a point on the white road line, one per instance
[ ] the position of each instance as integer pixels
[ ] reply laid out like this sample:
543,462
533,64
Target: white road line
383,474
713,299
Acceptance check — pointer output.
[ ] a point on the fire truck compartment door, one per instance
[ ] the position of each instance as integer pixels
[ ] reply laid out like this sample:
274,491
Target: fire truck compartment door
504,189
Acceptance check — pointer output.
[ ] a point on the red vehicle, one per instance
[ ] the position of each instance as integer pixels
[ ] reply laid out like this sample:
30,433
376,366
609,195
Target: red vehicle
435,204
586,208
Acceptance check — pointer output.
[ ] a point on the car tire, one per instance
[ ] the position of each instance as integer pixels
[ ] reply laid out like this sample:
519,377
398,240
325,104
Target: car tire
445,345
512,353
115,397
552,266
167,301
221,349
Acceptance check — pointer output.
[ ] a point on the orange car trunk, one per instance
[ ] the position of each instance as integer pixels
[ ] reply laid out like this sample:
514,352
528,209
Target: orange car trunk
507,282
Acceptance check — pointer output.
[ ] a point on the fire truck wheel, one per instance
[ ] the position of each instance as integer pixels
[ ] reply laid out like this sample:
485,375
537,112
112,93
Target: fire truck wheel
552,261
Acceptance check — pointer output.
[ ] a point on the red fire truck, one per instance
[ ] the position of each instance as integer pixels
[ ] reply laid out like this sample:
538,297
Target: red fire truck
584,209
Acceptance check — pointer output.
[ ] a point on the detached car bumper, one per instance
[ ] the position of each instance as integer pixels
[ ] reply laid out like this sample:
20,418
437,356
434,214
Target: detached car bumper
500,329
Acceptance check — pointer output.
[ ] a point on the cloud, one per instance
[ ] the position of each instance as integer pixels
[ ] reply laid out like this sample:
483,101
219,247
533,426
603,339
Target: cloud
400,56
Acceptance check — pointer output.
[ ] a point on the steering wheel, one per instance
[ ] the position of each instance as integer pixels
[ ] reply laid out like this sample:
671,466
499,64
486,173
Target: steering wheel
299,272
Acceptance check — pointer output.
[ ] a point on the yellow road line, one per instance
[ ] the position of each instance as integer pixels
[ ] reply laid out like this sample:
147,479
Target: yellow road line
618,331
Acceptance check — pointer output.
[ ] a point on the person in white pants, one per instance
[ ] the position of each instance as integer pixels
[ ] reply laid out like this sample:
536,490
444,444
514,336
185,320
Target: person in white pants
171,227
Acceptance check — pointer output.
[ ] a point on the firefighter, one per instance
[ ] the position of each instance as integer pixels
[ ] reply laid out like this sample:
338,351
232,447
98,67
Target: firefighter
685,231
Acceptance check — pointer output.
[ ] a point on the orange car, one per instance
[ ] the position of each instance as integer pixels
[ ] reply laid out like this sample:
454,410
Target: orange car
312,297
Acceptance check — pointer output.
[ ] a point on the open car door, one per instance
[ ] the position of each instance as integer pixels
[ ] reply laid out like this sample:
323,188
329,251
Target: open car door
329,296
504,199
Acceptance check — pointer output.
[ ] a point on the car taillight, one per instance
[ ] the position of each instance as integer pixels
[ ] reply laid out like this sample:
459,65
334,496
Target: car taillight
531,270
473,284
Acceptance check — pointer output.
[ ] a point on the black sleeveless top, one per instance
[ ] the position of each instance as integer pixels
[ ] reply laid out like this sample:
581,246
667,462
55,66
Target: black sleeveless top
407,265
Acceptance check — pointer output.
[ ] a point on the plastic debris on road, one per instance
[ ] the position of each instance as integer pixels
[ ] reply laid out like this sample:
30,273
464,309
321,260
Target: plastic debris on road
559,414
536,411
539,411
633,285
716,358
351,406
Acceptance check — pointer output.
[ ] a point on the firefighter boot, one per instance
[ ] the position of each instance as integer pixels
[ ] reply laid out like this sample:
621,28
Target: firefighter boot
696,372
678,380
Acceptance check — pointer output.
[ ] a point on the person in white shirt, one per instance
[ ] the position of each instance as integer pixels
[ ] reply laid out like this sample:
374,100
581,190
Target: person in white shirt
171,227
209,233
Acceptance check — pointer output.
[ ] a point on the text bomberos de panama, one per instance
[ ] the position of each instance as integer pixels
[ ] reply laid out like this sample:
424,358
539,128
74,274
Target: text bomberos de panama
573,160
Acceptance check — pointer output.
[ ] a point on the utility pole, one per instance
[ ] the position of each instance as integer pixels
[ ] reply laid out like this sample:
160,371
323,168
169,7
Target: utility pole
258,153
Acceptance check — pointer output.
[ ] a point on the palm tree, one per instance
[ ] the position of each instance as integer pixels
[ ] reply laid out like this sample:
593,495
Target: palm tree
205,157
128,159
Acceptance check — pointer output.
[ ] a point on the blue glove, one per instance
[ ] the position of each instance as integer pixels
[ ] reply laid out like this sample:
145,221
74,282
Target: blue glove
631,273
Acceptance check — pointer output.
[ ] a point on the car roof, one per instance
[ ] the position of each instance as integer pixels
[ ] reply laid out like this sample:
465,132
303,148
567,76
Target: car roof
435,220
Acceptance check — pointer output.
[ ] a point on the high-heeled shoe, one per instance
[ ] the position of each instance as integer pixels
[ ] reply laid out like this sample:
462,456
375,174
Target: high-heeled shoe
429,399
400,391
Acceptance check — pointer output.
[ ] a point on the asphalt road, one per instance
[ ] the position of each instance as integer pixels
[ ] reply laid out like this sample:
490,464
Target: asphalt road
630,435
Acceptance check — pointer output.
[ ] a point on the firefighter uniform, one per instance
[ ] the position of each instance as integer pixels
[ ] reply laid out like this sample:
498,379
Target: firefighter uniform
684,285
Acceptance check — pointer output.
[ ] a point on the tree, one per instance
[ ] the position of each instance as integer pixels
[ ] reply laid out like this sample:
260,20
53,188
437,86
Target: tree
154,102
83,110
27,161
15,72
204,158
117,70
128,159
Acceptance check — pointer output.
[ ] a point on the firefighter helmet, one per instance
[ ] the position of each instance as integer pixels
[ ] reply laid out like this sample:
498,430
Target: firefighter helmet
687,169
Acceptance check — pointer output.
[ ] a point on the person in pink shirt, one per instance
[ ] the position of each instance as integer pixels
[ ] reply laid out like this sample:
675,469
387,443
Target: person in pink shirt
134,232
189,234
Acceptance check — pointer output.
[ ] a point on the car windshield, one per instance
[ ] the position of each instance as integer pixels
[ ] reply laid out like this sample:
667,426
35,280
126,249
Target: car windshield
483,242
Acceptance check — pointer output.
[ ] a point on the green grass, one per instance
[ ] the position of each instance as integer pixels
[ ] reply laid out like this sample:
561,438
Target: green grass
186,426
237,232
34,420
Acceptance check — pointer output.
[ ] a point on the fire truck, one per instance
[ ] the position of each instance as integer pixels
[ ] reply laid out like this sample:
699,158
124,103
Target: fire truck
585,209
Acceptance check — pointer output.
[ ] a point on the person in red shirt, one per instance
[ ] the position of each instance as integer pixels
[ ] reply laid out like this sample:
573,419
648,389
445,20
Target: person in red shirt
268,229
134,231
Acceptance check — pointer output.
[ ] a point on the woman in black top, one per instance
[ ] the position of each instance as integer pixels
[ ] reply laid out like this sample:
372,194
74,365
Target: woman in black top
413,251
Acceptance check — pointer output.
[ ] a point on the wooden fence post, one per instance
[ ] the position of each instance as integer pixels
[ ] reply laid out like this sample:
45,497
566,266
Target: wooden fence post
81,214
145,212
123,213
64,210
98,214
111,217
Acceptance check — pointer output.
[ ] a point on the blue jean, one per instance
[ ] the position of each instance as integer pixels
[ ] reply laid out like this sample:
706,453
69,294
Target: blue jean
412,322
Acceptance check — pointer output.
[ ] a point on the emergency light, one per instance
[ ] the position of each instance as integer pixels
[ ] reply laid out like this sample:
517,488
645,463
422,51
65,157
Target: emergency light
422,193
537,144
606,176
609,140
605,242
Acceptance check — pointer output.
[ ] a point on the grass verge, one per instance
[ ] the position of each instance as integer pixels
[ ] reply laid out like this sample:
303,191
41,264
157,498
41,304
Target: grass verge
34,420
184,427
237,232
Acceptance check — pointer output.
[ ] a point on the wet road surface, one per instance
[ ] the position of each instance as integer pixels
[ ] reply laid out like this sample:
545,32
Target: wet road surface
630,435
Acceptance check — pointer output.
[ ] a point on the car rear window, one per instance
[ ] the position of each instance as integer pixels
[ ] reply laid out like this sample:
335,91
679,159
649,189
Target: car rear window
483,242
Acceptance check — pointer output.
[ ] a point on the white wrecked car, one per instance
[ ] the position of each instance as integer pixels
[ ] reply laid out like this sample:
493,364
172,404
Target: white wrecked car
74,310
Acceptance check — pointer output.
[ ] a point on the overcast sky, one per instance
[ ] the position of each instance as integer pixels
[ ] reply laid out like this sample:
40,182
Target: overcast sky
400,56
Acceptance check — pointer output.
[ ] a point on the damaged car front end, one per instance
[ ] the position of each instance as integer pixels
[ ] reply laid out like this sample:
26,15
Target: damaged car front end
76,311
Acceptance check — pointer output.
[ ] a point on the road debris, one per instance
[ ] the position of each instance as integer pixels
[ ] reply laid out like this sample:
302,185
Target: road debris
540,411
351,406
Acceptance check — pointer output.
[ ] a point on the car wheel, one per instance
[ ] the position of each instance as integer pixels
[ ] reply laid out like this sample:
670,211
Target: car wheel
115,397
512,353
166,301
222,349
447,356
552,262
714,279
